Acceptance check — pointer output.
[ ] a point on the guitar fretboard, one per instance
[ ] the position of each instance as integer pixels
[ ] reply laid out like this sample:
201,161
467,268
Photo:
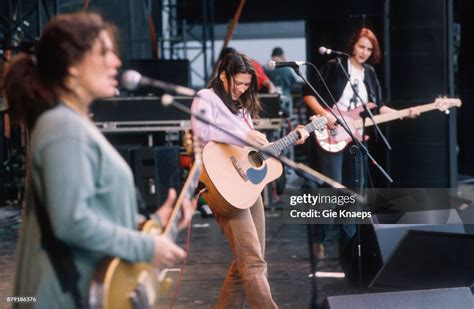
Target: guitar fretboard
186,193
278,146
403,113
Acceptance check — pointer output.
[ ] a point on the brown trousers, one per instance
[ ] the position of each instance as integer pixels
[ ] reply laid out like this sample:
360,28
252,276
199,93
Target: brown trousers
247,275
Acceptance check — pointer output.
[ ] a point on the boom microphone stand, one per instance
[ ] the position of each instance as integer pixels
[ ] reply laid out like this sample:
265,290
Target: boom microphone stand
360,168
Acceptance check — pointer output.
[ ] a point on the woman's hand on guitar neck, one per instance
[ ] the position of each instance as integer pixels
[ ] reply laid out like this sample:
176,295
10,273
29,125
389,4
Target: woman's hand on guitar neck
166,252
303,134
189,207
258,138
165,210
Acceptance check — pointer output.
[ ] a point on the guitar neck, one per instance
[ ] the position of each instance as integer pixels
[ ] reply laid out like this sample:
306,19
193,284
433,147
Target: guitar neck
278,146
381,118
186,193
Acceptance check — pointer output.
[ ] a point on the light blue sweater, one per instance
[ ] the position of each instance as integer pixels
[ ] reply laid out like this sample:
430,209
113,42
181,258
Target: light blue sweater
88,191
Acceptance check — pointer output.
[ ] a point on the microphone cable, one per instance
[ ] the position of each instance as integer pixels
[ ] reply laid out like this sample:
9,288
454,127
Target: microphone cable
183,264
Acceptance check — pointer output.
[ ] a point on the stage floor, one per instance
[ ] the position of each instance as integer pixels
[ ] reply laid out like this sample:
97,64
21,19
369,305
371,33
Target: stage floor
287,255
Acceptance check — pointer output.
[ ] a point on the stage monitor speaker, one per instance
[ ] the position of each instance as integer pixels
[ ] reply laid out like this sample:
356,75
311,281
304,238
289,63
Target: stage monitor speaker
137,109
428,260
433,299
379,240
156,170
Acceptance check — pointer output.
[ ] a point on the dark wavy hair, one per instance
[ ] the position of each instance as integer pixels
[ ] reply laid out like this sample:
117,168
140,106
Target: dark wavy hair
367,33
33,84
233,64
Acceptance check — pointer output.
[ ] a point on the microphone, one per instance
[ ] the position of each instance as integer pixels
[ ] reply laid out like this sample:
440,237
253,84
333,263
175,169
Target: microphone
280,64
131,80
326,51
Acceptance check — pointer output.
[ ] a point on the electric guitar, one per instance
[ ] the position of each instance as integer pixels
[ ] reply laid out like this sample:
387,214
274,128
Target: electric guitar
335,140
124,285
235,176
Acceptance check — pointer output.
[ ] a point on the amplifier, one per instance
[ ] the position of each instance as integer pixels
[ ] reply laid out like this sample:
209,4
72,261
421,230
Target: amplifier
147,114
133,109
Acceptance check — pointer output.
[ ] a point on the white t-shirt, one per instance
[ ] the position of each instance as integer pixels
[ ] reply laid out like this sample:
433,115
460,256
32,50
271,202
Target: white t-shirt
349,100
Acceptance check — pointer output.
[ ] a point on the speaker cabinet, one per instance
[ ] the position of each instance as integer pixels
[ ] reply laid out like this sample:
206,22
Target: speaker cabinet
379,242
156,170
433,299
428,260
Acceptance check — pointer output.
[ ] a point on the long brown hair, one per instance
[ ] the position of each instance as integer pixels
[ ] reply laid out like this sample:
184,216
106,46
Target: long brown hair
233,64
367,33
33,84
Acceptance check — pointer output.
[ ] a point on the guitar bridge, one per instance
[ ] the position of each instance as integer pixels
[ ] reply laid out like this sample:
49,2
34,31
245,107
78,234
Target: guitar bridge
238,168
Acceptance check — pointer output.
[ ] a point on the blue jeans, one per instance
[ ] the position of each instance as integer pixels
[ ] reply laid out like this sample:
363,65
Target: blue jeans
340,167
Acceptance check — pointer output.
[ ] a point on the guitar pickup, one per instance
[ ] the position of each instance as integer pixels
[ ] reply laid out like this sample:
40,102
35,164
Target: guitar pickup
238,168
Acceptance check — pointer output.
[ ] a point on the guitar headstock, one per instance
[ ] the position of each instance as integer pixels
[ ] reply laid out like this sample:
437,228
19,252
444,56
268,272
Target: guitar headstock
444,103
318,122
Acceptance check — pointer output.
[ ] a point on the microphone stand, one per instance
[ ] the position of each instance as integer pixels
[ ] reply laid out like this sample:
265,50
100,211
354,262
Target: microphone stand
364,104
359,166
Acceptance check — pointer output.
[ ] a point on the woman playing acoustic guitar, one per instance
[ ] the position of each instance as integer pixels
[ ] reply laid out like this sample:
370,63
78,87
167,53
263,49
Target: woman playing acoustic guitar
230,103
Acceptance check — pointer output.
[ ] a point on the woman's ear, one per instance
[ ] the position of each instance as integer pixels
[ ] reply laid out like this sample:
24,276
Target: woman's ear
73,71
222,76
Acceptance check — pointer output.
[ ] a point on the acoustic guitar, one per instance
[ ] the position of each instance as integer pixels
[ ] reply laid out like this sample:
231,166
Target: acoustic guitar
335,140
119,284
235,176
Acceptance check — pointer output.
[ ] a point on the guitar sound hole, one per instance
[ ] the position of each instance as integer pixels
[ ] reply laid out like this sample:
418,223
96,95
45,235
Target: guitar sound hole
255,158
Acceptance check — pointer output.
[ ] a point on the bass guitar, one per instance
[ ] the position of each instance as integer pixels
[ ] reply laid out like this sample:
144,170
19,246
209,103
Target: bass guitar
124,285
335,140
235,176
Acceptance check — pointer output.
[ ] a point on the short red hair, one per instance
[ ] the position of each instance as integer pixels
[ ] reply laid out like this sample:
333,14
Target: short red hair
367,33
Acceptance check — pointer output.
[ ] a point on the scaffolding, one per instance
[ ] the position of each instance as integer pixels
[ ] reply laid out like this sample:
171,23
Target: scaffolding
22,22
178,39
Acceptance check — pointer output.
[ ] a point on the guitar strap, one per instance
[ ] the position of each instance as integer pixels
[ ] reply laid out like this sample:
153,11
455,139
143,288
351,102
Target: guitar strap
59,253
247,121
